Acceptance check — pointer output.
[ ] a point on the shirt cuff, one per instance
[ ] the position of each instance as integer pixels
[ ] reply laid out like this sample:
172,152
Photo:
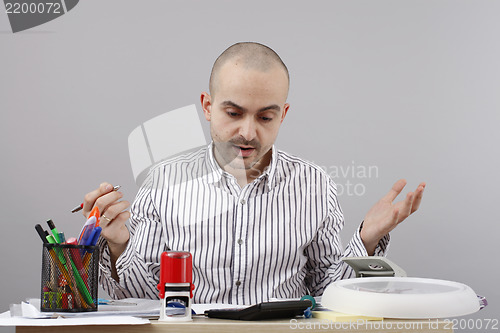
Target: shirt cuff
122,263
125,260
358,247
104,257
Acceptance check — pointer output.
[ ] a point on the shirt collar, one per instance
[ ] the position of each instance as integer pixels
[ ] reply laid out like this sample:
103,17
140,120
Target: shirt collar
215,172
271,170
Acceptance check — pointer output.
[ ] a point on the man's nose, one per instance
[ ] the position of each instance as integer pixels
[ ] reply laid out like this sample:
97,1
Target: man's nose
248,129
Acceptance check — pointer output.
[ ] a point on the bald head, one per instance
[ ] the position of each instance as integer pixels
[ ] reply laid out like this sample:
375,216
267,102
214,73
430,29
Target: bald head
251,56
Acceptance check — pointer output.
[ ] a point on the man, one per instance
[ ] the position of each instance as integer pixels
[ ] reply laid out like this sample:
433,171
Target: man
259,222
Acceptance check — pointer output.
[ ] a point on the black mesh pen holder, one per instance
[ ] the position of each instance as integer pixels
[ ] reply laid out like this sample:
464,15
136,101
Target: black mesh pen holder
69,278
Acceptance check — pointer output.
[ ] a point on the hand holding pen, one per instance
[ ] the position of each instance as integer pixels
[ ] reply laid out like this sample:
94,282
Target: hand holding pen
113,215
80,206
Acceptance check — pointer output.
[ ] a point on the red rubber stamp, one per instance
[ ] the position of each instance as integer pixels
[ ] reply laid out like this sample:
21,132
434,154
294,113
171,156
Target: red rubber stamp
176,286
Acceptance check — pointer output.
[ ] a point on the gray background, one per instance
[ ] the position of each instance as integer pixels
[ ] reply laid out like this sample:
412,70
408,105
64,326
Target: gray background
409,87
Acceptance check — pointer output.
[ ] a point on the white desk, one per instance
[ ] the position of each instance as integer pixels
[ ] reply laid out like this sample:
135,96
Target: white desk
206,325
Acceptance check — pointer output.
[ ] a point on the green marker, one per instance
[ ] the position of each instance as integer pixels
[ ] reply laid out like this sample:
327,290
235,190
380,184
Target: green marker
53,228
81,285
51,240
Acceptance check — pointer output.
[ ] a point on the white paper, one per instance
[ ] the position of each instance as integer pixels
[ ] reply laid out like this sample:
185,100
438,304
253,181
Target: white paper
201,308
99,320
140,308
121,312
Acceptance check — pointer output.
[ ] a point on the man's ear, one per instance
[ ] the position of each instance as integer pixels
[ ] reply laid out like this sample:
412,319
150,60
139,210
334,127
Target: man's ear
206,104
285,110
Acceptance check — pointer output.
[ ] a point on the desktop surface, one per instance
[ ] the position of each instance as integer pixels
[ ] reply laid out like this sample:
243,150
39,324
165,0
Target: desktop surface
206,325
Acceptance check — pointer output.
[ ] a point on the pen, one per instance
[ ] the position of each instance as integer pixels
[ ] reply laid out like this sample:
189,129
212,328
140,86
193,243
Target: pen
87,230
41,233
95,237
97,214
80,207
103,301
53,276
53,228
52,240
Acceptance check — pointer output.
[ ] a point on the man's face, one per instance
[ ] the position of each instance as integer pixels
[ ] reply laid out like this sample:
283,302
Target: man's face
245,114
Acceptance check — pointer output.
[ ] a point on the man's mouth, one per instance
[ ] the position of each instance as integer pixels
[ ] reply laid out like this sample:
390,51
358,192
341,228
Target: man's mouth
245,151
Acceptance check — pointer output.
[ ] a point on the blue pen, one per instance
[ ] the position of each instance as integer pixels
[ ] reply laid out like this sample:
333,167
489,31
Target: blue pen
87,230
88,240
91,240
96,234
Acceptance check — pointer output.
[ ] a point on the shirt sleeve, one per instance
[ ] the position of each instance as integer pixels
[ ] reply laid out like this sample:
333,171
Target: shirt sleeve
325,252
138,266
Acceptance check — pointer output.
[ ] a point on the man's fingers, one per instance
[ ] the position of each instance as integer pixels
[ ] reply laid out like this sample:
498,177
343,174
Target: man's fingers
408,203
404,207
118,220
395,190
113,212
115,231
419,192
394,219
91,197
106,200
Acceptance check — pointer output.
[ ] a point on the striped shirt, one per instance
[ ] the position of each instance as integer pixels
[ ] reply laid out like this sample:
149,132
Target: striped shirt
277,237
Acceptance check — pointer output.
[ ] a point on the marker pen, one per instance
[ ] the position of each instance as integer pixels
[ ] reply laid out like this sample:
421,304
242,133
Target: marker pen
55,262
80,207
62,238
41,233
53,228
51,239
59,253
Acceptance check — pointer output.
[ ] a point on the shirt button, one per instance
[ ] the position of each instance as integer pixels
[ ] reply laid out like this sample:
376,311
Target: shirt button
243,201
238,283
240,241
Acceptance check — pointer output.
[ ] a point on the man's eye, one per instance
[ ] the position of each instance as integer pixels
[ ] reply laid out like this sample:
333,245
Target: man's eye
266,119
233,114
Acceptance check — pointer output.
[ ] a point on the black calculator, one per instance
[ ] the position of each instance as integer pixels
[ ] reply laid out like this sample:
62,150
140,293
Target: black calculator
265,310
